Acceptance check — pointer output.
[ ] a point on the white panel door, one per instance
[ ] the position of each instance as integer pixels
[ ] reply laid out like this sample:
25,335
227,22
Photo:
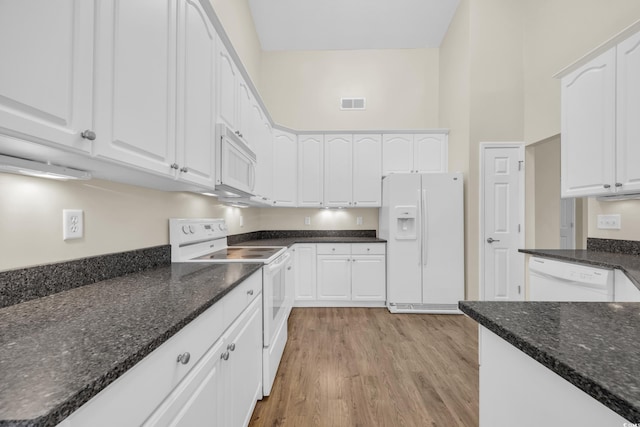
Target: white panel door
628,114
305,272
588,128
397,153
227,86
567,222
367,170
285,168
196,95
334,277
430,152
135,83
338,170
310,170
46,74
503,265
368,278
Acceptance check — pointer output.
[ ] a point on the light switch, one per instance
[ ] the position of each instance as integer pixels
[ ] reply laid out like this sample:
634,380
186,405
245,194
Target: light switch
358,220
609,222
307,220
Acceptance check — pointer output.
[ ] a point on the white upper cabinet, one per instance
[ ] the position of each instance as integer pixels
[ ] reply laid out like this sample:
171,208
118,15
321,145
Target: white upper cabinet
227,87
310,170
196,95
262,136
46,72
414,153
628,114
600,127
338,170
285,168
135,83
588,128
367,170
245,105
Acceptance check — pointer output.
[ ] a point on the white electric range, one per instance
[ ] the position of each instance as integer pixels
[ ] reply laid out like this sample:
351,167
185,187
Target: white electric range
205,240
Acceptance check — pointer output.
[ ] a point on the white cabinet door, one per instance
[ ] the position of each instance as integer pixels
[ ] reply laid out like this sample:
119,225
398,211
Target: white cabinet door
196,95
430,152
368,274
199,398
262,136
245,104
46,74
367,170
338,170
305,272
588,128
285,168
334,277
227,76
310,170
397,153
243,368
135,83
628,112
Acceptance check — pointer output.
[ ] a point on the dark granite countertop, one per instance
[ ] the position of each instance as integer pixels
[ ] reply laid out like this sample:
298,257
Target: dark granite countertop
58,351
289,241
629,264
592,345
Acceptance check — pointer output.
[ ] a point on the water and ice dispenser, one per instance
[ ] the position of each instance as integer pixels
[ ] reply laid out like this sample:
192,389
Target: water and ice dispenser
406,222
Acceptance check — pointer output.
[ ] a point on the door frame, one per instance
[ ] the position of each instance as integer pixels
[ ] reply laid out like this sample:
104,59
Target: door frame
573,219
521,208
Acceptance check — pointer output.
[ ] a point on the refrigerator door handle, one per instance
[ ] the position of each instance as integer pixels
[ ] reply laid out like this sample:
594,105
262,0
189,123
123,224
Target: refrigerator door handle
425,228
419,224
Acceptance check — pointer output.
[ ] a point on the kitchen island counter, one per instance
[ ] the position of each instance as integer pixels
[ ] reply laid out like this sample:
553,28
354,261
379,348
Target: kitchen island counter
592,345
59,351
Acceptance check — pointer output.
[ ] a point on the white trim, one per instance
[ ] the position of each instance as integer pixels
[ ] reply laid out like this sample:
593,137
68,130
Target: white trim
521,200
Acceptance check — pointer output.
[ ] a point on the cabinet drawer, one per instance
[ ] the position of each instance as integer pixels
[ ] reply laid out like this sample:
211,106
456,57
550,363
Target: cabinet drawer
239,298
368,249
334,249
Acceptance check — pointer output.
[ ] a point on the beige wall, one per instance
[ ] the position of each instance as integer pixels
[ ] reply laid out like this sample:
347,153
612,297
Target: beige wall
547,194
302,89
321,219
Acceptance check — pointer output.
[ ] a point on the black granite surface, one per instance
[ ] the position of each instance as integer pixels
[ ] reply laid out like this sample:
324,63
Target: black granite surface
629,264
592,345
25,284
242,239
628,247
58,351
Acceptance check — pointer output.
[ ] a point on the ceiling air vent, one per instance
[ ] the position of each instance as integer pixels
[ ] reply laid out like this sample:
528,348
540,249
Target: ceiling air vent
352,103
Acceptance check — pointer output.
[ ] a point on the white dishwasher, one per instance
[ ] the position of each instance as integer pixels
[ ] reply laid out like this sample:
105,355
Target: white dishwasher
562,281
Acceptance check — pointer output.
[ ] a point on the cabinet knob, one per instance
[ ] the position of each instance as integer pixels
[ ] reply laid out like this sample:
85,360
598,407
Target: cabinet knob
289,268
333,249
606,186
231,346
355,203
175,166
349,203
368,249
184,358
88,134
618,184
184,169
225,355
250,292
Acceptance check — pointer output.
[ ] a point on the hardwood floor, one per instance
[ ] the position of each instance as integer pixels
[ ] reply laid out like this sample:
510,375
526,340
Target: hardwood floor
367,367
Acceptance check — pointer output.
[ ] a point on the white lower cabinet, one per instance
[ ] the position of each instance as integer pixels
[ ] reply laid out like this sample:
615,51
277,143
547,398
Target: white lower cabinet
623,289
203,375
342,274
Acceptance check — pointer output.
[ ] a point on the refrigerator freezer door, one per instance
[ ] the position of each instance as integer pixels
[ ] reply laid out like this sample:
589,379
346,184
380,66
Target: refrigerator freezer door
443,239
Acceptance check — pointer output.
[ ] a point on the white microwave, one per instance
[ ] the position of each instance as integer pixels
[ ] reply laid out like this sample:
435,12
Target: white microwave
235,164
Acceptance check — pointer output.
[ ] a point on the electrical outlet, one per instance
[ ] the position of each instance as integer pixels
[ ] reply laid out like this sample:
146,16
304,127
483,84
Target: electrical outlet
307,220
609,222
72,224
358,220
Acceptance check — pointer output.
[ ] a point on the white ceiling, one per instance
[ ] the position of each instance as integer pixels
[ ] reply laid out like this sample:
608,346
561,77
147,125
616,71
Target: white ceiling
351,24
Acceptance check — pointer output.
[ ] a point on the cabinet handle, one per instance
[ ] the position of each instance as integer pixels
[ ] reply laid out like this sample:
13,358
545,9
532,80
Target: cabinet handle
88,134
289,268
606,186
250,292
225,355
184,358
618,184
231,346
184,169
175,166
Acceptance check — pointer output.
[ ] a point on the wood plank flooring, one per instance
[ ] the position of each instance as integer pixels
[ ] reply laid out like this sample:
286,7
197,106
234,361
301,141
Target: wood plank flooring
368,367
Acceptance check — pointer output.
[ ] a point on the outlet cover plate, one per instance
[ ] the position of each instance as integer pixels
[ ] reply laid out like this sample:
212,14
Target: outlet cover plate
609,222
72,224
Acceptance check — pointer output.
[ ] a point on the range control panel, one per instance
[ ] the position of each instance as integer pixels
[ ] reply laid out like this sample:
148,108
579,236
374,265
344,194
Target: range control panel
189,230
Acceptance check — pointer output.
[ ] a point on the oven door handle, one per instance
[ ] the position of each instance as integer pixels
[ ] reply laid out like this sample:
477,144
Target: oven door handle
273,267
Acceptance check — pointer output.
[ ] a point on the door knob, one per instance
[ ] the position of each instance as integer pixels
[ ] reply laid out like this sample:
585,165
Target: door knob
491,240
88,134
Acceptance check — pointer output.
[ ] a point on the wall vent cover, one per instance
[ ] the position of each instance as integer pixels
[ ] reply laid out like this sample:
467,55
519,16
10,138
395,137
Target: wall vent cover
353,103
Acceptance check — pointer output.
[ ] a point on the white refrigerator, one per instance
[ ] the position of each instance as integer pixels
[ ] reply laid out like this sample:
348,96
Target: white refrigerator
422,219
